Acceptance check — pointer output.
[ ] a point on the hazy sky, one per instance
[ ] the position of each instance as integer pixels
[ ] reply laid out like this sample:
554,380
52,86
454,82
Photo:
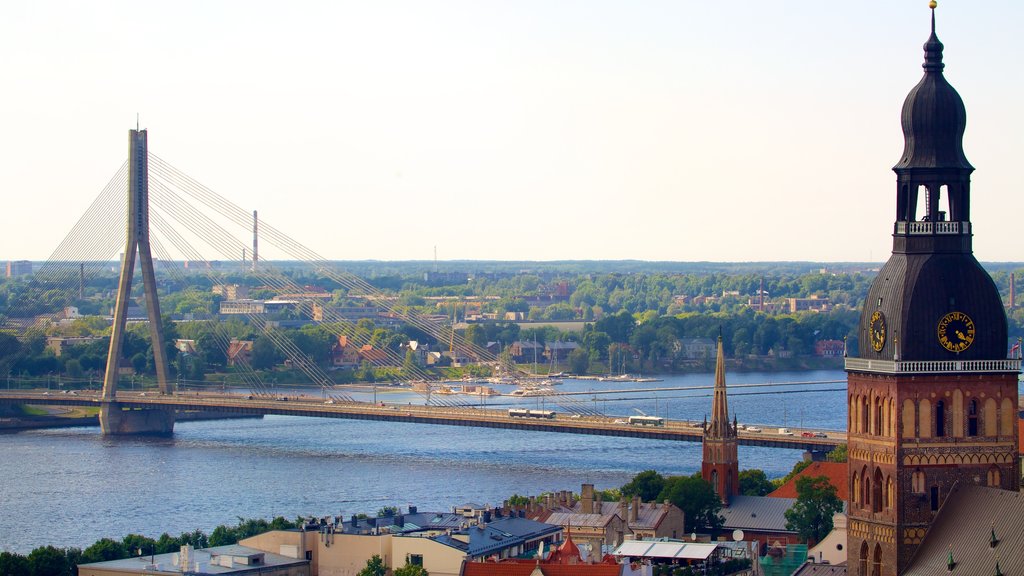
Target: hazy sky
679,130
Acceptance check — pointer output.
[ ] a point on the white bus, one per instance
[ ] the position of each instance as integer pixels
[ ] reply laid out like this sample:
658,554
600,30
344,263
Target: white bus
524,413
646,421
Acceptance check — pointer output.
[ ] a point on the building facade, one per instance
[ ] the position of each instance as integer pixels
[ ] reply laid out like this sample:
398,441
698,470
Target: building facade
932,395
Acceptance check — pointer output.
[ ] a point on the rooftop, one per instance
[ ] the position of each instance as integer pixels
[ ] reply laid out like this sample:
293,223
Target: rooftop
233,559
834,471
964,527
763,513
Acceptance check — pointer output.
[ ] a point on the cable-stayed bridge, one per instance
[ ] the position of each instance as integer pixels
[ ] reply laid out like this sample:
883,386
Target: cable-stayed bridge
152,216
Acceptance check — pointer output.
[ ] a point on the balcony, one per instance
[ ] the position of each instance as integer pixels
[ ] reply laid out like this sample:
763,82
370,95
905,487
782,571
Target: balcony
932,228
928,367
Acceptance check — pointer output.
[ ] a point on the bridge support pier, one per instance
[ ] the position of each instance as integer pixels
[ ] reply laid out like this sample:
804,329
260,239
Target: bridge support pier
116,421
816,455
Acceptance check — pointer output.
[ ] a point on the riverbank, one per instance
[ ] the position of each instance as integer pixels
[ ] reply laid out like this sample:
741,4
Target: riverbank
76,419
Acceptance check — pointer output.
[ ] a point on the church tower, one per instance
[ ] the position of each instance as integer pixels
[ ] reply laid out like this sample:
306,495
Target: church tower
721,466
932,395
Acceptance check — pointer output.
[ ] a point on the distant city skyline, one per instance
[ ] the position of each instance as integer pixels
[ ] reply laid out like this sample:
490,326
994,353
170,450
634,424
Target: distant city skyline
670,131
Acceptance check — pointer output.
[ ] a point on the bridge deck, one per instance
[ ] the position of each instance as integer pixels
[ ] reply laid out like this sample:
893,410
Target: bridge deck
464,416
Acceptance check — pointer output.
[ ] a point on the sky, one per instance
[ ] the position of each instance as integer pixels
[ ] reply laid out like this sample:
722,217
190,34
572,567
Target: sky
681,130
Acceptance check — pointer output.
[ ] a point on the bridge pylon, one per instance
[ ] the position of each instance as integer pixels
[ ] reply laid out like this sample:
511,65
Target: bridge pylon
113,419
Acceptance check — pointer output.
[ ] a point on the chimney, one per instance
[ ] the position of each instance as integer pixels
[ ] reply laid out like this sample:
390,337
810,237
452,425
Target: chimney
597,503
487,516
587,499
400,520
532,506
412,509
634,513
624,509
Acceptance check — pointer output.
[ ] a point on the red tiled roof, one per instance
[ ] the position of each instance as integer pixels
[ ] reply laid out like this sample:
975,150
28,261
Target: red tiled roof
834,471
1020,436
525,568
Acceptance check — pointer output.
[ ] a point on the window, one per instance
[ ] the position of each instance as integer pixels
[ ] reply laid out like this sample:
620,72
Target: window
994,477
917,481
935,498
416,559
972,418
940,419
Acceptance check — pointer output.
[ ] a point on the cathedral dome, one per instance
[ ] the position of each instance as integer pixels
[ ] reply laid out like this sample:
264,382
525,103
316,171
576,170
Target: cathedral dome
934,117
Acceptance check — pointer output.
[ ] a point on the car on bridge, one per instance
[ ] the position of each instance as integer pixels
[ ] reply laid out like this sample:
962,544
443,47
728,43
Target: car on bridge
753,429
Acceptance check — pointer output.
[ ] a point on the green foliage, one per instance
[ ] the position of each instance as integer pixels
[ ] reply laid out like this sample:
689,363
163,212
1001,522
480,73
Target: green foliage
224,535
647,485
103,550
374,567
387,512
816,503
838,454
755,482
517,500
49,561
411,570
697,499
12,564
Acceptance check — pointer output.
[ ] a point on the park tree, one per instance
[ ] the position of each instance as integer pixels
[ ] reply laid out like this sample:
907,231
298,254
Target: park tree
374,567
816,503
697,499
754,482
647,485
264,353
838,454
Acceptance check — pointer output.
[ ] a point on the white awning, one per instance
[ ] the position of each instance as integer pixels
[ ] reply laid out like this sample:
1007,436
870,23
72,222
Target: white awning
659,549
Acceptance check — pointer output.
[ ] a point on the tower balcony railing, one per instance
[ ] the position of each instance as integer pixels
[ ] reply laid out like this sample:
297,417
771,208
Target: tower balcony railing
932,366
932,228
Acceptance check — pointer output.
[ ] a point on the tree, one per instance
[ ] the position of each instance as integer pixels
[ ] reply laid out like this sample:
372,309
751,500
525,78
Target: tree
374,567
264,353
411,570
48,561
647,485
697,499
755,483
838,454
12,564
103,550
816,503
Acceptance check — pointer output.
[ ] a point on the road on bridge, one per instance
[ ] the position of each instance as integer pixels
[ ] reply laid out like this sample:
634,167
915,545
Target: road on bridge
309,406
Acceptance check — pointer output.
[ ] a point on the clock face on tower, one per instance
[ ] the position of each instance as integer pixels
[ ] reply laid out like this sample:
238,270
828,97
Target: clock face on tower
956,331
877,330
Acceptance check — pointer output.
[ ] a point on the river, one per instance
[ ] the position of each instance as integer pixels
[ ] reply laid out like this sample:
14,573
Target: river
70,487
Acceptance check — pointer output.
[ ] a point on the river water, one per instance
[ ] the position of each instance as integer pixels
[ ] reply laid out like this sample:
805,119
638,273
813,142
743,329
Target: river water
70,487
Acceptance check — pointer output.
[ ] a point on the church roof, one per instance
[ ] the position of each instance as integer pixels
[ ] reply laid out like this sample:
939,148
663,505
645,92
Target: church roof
964,525
836,472
760,513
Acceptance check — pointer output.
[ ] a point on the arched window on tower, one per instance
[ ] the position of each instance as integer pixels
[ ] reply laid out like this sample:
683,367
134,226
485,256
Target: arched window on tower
940,419
956,427
909,417
925,427
989,420
935,498
917,481
921,209
878,417
865,412
714,480
943,202
1007,418
890,493
994,477
865,488
863,568
972,417
876,491
856,489
876,562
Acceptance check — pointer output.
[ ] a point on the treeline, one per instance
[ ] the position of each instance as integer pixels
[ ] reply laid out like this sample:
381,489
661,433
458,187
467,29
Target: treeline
53,561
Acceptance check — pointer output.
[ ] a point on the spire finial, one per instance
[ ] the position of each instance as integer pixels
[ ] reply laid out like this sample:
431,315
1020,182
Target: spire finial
933,48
